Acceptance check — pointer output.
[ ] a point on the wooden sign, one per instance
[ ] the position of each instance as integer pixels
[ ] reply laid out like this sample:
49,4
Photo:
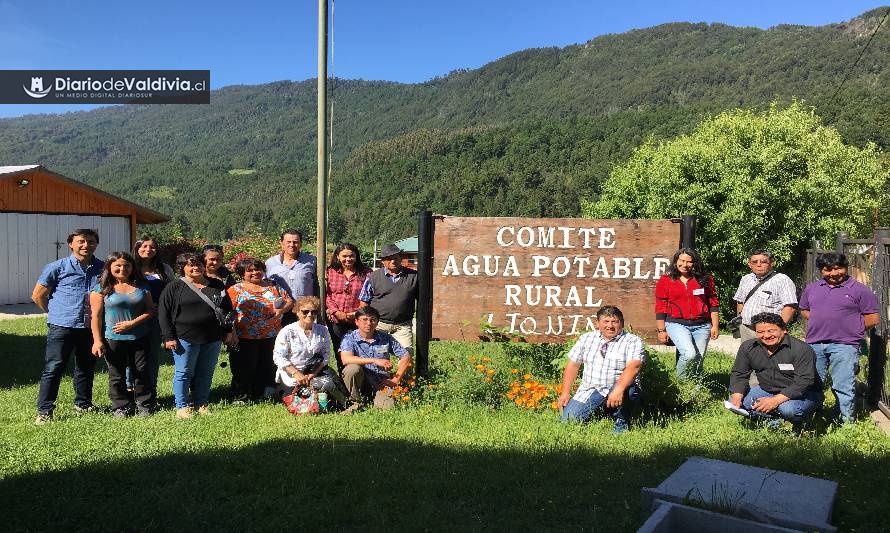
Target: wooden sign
544,279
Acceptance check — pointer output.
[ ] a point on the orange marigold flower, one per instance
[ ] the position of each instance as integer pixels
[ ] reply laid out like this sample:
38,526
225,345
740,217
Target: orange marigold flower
514,370
485,359
518,401
405,398
490,371
526,377
472,358
488,380
480,368
553,405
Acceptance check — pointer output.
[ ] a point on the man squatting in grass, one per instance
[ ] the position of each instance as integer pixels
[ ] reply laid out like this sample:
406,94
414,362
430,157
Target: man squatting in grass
366,353
62,291
787,384
612,360
838,310
763,290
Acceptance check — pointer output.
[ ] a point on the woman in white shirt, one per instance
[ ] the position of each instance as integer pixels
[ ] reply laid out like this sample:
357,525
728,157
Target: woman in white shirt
301,353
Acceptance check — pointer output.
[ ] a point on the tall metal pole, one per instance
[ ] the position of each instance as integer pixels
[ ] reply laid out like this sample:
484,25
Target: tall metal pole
321,217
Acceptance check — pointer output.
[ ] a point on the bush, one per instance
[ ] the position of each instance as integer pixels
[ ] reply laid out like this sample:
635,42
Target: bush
666,394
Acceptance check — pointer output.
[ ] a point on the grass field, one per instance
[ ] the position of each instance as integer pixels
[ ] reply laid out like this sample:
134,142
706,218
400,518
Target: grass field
258,468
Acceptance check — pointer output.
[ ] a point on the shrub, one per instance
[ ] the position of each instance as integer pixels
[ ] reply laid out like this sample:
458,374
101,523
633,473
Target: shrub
664,393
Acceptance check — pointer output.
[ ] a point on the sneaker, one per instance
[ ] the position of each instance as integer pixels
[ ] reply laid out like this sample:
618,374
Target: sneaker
120,412
620,426
268,393
43,418
143,412
82,409
184,413
204,410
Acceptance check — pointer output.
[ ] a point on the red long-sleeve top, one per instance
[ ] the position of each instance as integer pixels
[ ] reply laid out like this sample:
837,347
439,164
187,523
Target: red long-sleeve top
685,303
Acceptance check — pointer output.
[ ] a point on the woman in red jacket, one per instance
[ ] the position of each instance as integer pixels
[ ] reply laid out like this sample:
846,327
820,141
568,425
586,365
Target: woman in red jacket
686,310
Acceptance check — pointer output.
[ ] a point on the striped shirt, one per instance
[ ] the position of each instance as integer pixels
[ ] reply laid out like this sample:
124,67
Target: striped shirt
603,367
771,297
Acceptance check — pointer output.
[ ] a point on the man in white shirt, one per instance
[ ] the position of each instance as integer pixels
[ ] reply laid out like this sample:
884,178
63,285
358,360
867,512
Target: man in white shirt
612,360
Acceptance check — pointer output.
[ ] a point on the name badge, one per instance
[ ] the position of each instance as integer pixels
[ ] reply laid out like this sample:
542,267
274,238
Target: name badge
786,366
381,349
764,295
698,292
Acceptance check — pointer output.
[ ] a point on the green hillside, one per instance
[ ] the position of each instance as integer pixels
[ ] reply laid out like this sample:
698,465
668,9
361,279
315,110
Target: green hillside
528,134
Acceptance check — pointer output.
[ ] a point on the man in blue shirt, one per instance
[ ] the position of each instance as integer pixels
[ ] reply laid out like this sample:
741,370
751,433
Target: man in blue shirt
62,291
366,353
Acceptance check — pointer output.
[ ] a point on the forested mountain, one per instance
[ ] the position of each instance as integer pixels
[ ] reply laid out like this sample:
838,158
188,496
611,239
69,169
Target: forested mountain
528,134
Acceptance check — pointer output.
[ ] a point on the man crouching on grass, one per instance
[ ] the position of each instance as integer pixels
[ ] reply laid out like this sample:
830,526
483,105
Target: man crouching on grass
366,353
788,386
612,360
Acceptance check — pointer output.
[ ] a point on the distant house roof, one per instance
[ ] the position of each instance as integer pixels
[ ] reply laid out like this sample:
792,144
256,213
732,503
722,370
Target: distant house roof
14,169
143,215
408,245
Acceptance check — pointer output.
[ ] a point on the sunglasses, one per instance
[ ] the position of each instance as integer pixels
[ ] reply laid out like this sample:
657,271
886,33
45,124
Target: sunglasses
307,312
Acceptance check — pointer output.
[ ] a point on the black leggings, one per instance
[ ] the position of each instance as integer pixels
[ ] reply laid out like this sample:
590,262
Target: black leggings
252,368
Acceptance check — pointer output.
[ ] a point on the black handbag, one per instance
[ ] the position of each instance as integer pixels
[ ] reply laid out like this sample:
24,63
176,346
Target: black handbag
226,320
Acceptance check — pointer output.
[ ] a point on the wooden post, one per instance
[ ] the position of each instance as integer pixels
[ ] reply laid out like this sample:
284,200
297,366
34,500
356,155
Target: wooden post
425,233
842,236
687,231
878,393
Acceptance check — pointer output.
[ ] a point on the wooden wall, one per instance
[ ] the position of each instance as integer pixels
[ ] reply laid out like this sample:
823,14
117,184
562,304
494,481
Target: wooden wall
48,194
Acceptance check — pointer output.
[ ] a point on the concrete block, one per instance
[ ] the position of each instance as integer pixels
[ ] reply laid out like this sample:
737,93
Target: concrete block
769,496
675,518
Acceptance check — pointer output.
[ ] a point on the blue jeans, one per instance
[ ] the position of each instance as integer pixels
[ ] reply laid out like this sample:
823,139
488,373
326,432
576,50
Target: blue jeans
196,361
582,411
60,342
795,411
844,362
691,343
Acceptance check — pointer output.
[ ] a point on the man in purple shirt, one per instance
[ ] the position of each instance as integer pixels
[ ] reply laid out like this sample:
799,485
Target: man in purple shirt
838,310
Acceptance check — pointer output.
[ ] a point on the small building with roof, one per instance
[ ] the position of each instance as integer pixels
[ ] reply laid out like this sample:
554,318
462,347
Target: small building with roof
39,209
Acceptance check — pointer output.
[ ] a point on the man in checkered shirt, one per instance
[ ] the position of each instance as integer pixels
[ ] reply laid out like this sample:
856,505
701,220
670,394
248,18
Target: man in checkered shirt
612,360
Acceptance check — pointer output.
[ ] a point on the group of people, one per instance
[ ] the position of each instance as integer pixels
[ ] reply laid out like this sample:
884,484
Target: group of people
125,308
788,374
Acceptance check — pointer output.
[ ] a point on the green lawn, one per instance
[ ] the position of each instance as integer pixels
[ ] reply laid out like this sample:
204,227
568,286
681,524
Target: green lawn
257,468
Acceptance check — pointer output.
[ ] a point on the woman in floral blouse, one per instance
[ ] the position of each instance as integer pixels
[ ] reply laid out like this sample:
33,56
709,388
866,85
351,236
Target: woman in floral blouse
345,277
260,304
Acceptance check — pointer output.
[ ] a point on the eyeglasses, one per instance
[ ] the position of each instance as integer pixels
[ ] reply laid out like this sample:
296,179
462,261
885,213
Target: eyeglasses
307,312
759,261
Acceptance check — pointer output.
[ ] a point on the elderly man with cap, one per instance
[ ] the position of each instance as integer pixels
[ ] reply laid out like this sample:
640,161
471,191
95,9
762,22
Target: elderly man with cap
392,290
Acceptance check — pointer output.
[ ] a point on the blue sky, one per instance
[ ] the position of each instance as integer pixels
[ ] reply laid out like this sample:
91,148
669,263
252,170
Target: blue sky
396,40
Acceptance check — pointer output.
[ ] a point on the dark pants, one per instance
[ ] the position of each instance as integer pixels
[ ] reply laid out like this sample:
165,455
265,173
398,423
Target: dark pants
338,331
152,358
60,342
120,356
252,368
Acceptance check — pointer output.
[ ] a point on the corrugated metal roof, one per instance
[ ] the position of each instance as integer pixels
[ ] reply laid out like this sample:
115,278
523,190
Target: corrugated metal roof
407,245
14,169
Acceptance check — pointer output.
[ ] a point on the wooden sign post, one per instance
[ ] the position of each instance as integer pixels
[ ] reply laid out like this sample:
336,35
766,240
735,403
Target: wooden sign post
545,279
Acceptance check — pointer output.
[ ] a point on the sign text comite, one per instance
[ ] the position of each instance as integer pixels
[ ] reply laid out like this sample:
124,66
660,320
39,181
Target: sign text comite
544,278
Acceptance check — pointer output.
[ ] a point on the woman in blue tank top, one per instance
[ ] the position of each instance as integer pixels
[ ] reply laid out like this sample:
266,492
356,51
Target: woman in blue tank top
123,303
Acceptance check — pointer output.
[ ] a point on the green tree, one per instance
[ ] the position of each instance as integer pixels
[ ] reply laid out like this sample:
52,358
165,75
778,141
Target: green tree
775,179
